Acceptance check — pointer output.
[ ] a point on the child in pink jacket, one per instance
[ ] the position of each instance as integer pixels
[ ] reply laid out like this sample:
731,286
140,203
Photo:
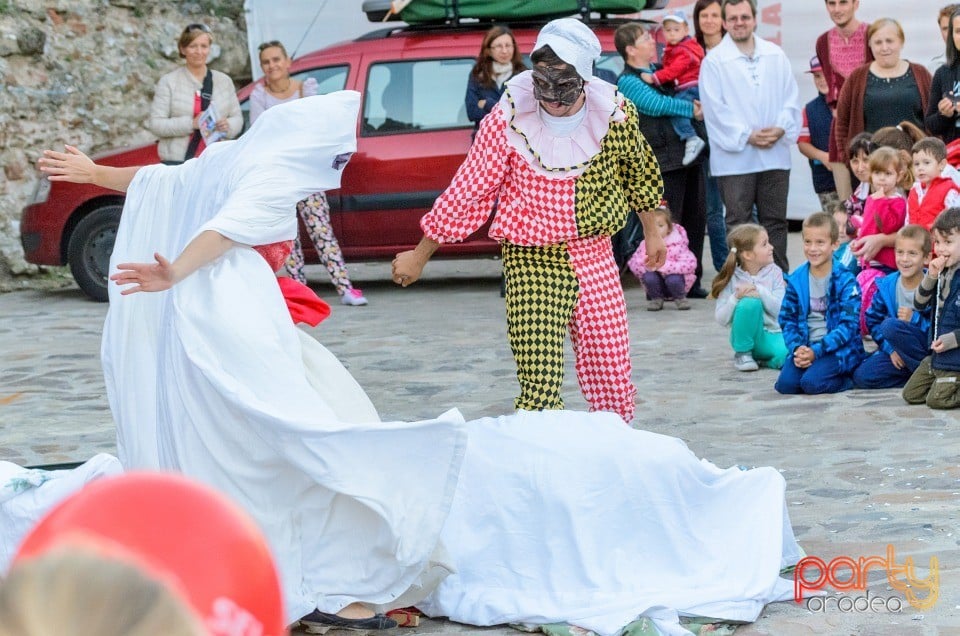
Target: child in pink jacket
676,277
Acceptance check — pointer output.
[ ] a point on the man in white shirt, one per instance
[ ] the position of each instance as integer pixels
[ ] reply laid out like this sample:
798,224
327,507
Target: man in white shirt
752,110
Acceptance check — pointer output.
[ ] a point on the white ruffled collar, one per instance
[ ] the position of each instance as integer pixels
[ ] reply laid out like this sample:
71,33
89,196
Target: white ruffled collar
550,153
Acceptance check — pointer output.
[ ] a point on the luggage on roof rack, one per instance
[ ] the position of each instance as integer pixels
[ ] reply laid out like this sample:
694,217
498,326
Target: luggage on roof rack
452,11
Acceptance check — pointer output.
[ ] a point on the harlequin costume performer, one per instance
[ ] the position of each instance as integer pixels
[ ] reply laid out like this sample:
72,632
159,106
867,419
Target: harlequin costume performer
563,158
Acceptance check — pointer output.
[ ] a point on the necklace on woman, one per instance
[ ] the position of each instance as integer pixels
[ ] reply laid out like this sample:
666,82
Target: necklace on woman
280,92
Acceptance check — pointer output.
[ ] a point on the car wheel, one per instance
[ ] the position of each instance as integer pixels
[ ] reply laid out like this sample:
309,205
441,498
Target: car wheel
88,252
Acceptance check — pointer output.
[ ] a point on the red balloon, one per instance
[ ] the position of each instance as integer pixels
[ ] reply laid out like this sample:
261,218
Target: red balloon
181,531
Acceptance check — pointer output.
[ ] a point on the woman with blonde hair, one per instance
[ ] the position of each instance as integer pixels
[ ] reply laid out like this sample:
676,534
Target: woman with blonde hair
183,95
84,594
884,92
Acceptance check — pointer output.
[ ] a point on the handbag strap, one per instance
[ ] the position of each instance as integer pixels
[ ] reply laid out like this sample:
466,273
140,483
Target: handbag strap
206,93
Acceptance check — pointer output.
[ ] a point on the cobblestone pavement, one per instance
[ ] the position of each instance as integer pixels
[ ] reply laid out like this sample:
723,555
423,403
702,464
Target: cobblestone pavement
863,469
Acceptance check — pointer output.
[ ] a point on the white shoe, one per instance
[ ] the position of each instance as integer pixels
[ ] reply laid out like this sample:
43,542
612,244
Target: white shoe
354,298
693,147
745,362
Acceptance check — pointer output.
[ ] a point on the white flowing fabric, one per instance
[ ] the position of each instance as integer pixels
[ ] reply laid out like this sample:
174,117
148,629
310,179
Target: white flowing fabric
547,517
209,378
574,517
27,494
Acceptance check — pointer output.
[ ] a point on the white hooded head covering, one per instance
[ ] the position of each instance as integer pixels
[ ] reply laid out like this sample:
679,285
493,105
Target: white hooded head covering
573,42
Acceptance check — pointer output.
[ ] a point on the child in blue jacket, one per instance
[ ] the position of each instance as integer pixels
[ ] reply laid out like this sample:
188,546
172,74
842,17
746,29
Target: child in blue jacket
897,327
820,316
936,381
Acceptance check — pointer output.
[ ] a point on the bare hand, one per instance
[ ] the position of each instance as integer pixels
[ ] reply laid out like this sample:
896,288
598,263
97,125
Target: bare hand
697,110
196,121
803,357
72,166
936,266
223,126
656,252
747,290
647,77
946,107
765,137
938,345
148,277
407,267
905,314
897,361
866,248
481,104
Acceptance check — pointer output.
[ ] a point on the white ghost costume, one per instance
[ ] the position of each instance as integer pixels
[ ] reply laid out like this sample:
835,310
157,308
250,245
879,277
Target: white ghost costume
545,517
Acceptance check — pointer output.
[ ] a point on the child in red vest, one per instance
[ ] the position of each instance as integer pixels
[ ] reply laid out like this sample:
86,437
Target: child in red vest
937,185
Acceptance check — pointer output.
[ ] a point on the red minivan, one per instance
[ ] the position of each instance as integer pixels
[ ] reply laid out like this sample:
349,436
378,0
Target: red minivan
412,135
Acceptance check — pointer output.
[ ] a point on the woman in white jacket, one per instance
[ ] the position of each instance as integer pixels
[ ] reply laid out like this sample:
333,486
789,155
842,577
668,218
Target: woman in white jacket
178,100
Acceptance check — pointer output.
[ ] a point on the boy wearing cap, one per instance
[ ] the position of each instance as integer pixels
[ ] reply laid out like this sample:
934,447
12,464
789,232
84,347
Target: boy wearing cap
814,140
558,204
681,72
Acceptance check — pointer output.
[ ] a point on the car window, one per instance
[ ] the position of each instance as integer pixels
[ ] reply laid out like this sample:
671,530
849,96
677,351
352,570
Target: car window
416,96
611,62
329,79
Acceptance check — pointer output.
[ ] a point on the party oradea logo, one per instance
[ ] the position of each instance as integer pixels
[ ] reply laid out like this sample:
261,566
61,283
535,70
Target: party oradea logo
844,574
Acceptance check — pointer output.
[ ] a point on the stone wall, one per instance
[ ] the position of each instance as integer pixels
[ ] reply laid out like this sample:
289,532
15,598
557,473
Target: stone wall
83,72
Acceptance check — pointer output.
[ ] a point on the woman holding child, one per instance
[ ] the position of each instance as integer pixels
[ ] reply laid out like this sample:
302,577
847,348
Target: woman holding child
683,184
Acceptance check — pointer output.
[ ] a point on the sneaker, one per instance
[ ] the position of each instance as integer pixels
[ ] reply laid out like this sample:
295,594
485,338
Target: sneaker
655,305
317,622
745,362
354,298
682,304
692,149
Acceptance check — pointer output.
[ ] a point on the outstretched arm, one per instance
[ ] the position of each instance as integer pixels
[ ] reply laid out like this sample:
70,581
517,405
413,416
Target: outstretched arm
163,274
75,167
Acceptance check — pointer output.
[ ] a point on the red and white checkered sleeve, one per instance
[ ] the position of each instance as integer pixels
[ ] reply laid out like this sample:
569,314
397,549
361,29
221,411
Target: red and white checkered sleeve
466,203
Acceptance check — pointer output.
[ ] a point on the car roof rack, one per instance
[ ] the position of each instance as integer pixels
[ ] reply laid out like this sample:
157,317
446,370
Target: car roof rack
382,11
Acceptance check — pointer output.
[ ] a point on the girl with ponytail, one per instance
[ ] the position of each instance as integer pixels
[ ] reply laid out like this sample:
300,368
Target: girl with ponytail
749,290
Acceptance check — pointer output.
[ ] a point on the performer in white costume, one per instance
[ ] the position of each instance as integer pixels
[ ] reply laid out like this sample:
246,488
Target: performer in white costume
546,517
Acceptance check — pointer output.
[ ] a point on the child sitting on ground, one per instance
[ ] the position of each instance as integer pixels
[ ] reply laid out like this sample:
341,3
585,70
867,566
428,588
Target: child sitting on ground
899,330
937,184
819,317
937,379
749,290
676,276
681,72
884,214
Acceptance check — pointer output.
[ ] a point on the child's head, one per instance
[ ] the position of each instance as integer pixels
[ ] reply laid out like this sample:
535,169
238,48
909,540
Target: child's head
929,159
859,152
675,27
886,169
821,235
902,137
662,219
912,249
819,79
946,235
747,246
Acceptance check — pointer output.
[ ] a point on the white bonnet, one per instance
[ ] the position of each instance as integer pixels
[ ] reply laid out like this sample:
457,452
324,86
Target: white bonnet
573,42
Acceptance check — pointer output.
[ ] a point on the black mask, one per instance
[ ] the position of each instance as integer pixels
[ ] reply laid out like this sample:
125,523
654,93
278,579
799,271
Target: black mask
556,85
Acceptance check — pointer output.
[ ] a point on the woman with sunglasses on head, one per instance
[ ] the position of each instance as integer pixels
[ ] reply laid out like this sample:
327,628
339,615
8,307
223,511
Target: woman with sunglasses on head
183,95
278,88
498,61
